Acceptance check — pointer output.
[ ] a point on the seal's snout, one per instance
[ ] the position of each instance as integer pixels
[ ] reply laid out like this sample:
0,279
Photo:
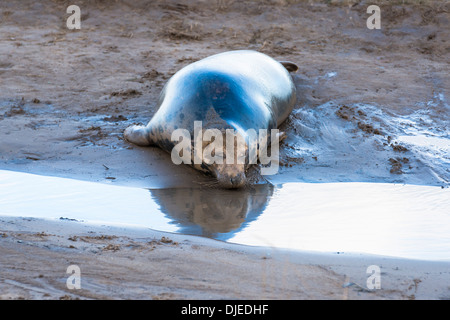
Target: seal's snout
238,181
232,181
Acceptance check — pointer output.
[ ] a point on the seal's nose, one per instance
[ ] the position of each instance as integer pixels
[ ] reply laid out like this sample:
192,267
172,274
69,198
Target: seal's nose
237,181
230,179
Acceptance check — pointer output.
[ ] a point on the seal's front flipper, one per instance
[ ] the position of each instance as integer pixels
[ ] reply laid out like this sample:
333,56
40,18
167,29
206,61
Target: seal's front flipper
290,66
137,135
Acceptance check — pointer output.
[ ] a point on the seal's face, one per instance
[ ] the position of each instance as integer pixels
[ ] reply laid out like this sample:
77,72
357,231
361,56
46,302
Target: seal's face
230,173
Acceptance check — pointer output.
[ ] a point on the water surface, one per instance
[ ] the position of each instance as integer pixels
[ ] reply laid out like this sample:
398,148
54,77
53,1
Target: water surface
377,218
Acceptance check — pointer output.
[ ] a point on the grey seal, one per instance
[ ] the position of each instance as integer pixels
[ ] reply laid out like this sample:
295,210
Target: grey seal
237,90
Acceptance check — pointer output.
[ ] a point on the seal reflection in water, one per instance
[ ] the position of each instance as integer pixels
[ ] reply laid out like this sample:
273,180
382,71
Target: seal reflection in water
214,213
238,90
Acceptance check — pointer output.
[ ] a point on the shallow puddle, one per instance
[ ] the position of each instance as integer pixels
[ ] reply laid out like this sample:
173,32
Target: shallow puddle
377,218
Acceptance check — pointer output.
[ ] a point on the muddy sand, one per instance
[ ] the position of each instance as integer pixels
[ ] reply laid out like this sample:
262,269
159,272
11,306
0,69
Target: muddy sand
364,97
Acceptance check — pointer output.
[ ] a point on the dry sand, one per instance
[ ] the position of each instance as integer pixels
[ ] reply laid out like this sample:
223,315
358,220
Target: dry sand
68,95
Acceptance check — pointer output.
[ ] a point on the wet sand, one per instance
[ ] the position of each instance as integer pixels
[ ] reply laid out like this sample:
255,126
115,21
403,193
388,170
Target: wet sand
68,95
130,263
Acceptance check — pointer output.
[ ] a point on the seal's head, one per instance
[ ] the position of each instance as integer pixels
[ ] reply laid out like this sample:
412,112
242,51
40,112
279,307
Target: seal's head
229,172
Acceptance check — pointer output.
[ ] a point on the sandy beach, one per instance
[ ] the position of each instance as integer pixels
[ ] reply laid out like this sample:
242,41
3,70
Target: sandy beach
67,96
130,263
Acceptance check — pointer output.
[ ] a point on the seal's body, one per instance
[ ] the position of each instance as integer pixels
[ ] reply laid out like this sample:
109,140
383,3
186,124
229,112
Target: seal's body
237,90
